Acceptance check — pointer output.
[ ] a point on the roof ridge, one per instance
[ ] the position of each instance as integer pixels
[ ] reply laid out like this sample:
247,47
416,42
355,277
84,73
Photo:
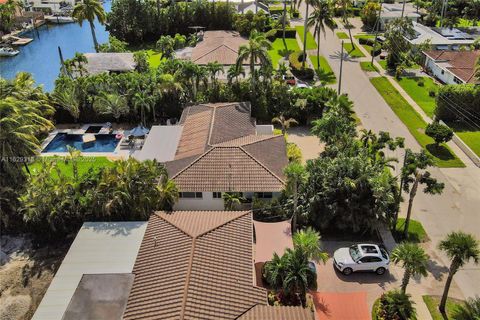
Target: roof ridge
187,278
267,137
175,226
212,121
261,164
196,160
208,52
240,214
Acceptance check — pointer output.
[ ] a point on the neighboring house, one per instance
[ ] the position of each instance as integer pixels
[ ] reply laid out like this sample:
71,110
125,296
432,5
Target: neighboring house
109,62
452,67
50,6
244,7
442,38
189,265
392,11
218,148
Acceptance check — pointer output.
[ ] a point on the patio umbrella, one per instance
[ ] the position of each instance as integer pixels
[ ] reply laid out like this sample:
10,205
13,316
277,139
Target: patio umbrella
139,131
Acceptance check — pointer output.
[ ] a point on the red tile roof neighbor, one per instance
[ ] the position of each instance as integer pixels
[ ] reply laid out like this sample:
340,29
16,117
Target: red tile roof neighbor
261,312
220,151
218,46
195,265
462,63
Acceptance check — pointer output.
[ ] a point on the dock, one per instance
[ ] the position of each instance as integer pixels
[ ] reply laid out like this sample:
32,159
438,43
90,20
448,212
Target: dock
17,41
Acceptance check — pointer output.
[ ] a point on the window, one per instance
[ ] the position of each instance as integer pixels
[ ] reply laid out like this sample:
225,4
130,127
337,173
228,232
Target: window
456,80
217,195
190,195
264,195
443,71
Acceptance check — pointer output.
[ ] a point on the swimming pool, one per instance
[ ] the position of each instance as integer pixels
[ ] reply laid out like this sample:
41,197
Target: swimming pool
102,143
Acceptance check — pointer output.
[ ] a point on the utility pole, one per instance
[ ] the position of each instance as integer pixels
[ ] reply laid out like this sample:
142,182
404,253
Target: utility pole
403,8
341,67
444,11
377,28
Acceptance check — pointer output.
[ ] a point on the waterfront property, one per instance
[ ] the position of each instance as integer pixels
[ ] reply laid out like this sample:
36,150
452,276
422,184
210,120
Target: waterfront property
179,265
452,67
219,148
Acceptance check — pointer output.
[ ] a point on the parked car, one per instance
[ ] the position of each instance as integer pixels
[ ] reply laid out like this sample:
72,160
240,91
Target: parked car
289,79
361,257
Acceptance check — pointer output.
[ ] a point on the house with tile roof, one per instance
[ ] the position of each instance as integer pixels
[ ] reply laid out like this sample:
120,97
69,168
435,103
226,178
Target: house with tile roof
452,67
219,148
184,265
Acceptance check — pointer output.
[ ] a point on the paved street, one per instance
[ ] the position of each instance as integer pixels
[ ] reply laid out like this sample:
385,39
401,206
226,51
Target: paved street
456,209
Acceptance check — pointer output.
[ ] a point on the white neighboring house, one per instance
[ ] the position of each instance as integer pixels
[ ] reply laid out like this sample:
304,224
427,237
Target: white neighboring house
218,148
50,6
392,11
442,38
452,67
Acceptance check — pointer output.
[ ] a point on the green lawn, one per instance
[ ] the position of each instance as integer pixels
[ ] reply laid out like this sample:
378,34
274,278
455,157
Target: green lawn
353,53
311,44
432,303
84,164
469,135
421,94
443,156
342,35
154,58
279,50
367,66
416,232
383,64
325,73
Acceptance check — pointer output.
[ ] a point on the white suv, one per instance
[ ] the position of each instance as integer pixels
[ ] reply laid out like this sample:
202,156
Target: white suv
361,257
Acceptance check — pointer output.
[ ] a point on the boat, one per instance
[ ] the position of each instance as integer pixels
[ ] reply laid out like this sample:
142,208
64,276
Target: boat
8,52
59,19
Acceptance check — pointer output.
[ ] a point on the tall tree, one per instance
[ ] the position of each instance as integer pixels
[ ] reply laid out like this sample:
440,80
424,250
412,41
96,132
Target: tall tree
413,260
414,174
111,103
89,10
321,19
346,5
308,240
142,101
214,69
67,100
168,193
256,52
296,175
234,72
305,26
231,199
297,274
460,248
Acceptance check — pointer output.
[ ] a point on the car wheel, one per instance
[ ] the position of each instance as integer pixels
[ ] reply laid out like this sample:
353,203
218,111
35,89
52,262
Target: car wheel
347,271
380,271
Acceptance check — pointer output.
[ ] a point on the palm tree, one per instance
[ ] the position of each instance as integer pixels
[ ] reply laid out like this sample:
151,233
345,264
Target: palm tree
414,174
111,103
396,304
214,68
346,4
230,199
67,100
309,241
413,259
256,51
460,248
308,3
89,10
168,193
321,18
73,155
235,71
142,101
297,274
275,269
296,175
166,46
469,310
284,123
281,71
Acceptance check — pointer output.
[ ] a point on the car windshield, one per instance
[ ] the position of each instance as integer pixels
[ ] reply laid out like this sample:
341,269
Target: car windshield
355,253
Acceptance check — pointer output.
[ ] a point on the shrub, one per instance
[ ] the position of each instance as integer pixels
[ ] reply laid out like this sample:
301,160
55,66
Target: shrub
439,132
421,83
296,58
295,13
294,154
395,305
432,93
456,101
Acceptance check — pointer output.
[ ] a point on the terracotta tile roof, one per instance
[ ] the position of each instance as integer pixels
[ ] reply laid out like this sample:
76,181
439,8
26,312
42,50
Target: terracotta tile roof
262,312
228,169
461,63
218,46
195,265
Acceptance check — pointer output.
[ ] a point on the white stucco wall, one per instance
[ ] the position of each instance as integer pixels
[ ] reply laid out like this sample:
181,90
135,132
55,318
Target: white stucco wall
447,77
206,203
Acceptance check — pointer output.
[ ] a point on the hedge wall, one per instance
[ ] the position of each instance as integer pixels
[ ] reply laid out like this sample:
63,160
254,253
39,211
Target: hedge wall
455,102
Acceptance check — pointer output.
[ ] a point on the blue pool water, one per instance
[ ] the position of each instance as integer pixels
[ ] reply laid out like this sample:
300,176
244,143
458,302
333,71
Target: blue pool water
40,57
103,143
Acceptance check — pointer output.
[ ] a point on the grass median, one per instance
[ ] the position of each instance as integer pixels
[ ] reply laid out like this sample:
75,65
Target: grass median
443,156
367,66
354,53
325,72
311,44
432,303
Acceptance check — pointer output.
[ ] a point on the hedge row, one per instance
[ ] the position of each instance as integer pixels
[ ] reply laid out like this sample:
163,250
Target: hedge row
458,103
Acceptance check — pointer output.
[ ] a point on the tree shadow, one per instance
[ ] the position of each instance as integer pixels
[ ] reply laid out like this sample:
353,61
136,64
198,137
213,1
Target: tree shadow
440,152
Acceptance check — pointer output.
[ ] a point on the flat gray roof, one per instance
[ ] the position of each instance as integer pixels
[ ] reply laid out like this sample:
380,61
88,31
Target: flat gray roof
100,247
100,296
109,61
161,143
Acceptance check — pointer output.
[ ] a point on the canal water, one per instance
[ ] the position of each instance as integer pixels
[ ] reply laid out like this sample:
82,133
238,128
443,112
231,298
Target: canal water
40,57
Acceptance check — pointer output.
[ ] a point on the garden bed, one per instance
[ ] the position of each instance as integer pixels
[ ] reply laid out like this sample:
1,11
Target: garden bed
443,156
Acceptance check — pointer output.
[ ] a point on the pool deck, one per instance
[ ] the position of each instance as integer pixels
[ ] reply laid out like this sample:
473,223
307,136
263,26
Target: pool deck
119,152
